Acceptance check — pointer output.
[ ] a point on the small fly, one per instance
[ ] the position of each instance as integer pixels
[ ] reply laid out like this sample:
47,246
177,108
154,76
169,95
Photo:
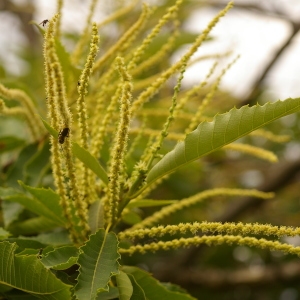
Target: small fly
63,134
44,23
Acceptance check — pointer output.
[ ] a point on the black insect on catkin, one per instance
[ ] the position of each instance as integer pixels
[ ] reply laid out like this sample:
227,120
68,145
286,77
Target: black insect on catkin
44,23
63,134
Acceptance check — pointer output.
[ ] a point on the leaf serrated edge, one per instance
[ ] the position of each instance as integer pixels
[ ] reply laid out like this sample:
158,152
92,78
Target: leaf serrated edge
82,252
294,109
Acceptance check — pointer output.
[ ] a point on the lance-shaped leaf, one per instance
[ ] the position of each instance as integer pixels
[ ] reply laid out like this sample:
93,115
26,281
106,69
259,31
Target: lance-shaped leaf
53,238
28,274
138,293
224,129
61,258
152,288
124,286
32,226
113,293
45,202
98,261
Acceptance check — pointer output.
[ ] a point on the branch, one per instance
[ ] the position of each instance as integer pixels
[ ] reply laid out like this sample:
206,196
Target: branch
24,12
257,86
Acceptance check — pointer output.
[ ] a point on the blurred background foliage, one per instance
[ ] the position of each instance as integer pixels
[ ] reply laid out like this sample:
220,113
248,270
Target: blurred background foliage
222,272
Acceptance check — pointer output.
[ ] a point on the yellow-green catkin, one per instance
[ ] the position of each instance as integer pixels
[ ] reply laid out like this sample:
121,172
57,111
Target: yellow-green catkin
79,48
118,13
125,40
164,133
159,55
137,139
254,151
154,88
84,173
216,56
240,228
99,132
120,146
143,167
271,136
145,82
105,84
31,113
187,202
104,116
152,112
83,86
211,241
151,132
140,168
66,122
194,91
58,22
154,32
196,119
56,160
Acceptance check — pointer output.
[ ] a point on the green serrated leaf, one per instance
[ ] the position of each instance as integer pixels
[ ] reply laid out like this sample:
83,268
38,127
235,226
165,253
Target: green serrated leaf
48,201
28,274
173,287
113,293
183,38
45,203
61,258
24,242
32,226
55,238
124,286
98,261
29,251
83,155
138,293
224,129
152,288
